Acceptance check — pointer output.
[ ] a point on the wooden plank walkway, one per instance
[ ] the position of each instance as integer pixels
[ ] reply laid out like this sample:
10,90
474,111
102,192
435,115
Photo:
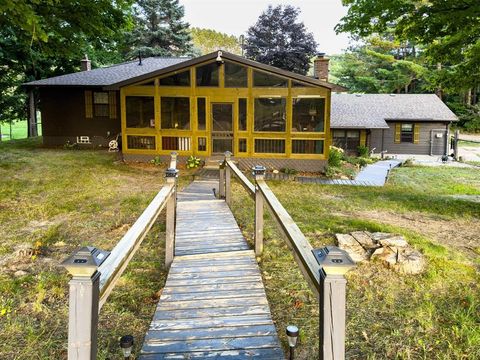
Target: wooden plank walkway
213,305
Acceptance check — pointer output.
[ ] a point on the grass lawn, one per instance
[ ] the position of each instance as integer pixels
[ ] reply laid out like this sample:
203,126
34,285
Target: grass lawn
57,200
19,130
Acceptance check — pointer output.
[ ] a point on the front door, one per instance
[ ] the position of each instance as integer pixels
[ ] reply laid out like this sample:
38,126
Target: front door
222,127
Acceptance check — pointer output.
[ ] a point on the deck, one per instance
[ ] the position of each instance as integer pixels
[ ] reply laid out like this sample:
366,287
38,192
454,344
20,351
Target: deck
213,305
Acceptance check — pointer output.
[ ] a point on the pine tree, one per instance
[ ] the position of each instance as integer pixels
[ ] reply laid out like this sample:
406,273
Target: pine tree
278,39
158,29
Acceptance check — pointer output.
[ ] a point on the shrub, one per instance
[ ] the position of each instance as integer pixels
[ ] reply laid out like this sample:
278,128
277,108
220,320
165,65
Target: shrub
363,151
156,161
335,156
331,171
193,162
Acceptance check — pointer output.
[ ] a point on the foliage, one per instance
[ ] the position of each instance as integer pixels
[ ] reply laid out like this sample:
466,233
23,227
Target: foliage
70,146
335,156
468,115
45,38
193,162
207,41
363,151
157,161
159,30
289,171
381,64
278,39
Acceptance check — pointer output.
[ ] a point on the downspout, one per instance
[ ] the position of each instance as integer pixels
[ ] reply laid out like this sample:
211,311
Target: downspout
447,140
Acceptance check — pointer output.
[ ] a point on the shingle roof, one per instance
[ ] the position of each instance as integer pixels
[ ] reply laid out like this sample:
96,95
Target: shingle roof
110,75
371,111
116,76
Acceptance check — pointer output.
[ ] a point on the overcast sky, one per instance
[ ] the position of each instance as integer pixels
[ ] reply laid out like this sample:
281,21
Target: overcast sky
235,17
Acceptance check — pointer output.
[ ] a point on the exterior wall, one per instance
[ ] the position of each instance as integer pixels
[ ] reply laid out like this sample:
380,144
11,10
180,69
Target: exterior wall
422,148
307,165
222,94
63,118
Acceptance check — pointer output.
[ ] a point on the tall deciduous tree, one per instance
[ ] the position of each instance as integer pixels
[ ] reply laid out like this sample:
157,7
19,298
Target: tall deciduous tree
159,29
280,40
207,41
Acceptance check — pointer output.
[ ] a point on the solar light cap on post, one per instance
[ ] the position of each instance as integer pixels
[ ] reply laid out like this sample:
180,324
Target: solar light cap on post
85,261
126,344
333,260
258,170
228,155
171,173
292,335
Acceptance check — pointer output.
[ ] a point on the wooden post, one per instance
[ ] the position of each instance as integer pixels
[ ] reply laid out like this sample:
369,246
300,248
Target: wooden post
228,191
221,181
455,144
171,176
83,317
259,174
332,316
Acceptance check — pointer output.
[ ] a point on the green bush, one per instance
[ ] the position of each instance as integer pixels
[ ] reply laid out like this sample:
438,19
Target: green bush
157,161
193,162
363,151
331,171
335,156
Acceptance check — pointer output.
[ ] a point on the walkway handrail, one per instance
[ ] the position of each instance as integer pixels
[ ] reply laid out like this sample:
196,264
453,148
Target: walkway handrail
95,272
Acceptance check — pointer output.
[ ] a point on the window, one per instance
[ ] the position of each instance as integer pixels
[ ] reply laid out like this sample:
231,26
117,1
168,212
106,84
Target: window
299,84
242,145
141,142
270,146
261,79
140,112
307,146
175,113
348,140
406,133
202,144
100,104
242,114
308,115
201,113
207,75
180,79
235,75
176,143
270,114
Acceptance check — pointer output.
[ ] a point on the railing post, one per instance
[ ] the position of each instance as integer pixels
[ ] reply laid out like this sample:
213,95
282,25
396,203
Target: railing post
335,263
228,192
221,181
258,173
171,175
84,292
455,144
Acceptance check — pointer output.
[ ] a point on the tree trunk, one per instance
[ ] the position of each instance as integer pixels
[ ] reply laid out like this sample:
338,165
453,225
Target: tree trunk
468,97
438,90
32,116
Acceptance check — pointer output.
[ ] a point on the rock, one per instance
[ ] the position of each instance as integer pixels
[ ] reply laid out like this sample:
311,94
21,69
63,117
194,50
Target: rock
59,244
410,261
396,241
24,251
365,239
350,245
377,236
19,273
385,255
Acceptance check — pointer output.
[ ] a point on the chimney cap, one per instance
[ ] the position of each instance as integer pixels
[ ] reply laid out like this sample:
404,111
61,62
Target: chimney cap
321,54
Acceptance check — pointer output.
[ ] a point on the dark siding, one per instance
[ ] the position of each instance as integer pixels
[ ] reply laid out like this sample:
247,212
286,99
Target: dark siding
422,148
63,118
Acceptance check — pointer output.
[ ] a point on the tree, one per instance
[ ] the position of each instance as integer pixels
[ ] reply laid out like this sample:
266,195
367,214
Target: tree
381,65
207,41
278,39
49,37
158,29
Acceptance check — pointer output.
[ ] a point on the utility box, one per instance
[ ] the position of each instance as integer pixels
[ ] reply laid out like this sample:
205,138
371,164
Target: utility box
85,261
333,260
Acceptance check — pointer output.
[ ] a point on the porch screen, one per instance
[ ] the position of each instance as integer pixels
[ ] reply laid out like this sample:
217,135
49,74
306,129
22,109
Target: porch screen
140,112
207,75
175,113
270,114
235,75
308,115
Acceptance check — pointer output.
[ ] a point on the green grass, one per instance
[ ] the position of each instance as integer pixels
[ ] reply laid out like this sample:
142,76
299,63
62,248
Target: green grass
57,200
435,315
19,130
468,143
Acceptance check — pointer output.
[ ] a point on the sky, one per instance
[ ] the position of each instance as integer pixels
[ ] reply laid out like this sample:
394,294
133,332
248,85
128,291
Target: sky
235,17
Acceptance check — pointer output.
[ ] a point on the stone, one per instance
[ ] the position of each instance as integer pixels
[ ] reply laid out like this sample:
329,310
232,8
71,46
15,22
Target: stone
385,255
410,261
364,239
19,273
377,236
352,247
396,241
24,251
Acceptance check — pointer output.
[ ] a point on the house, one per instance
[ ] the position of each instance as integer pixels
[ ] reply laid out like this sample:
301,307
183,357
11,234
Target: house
203,107
416,124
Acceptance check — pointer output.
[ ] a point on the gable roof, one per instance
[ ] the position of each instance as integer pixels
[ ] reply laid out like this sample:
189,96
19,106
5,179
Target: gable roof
114,77
372,111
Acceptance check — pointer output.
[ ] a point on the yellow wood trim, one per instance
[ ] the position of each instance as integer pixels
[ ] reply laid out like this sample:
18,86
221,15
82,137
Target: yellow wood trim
398,133
157,105
88,104
123,117
416,133
363,137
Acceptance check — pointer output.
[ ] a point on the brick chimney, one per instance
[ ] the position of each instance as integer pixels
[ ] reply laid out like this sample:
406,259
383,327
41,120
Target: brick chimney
320,67
86,64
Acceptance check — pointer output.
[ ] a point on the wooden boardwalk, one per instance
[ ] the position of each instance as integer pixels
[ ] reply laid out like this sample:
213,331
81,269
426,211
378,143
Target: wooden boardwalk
213,305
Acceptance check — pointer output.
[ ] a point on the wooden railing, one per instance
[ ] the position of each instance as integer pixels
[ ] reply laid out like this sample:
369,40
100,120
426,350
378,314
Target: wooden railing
329,286
93,279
